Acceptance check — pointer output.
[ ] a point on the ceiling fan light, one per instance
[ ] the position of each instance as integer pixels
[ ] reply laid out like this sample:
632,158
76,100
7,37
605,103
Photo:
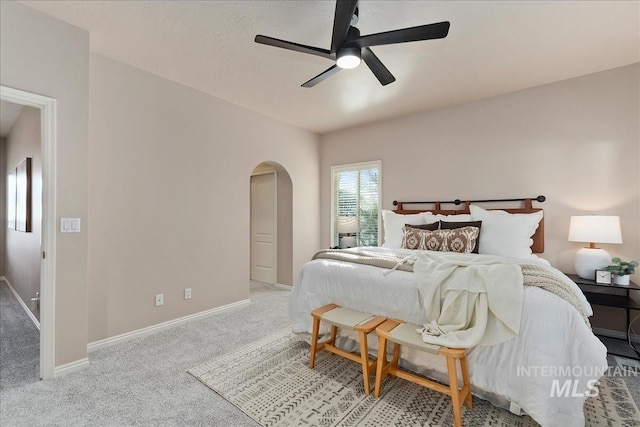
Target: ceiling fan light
349,57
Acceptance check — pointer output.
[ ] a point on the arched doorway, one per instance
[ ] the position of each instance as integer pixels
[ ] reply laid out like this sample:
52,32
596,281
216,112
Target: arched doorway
271,224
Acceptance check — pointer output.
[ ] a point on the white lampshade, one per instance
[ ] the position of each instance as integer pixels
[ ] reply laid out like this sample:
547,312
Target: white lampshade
347,224
593,229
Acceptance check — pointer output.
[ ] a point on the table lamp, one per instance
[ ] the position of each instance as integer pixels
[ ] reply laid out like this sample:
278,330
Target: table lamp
348,225
593,229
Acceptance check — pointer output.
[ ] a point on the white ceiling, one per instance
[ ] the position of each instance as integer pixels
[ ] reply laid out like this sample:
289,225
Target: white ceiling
493,47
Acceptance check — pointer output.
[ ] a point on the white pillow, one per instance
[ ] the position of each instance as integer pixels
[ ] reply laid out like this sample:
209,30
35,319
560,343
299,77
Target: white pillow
393,223
506,234
430,218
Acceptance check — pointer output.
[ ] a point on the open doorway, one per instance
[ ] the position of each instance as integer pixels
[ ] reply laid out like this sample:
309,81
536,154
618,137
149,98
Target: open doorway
20,155
271,224
41,238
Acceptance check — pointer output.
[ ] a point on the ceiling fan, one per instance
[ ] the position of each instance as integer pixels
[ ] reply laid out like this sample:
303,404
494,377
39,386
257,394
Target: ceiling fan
348,47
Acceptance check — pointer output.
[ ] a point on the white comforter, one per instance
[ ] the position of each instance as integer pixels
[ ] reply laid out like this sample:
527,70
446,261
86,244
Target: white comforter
554,346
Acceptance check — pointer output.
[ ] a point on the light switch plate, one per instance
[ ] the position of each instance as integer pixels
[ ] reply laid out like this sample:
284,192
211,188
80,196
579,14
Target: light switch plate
69,225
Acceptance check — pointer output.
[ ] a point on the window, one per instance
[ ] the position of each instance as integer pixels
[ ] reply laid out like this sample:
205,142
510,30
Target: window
355,204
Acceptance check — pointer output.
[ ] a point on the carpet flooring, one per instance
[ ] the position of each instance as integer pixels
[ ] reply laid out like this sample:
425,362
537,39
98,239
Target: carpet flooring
19,343
144,381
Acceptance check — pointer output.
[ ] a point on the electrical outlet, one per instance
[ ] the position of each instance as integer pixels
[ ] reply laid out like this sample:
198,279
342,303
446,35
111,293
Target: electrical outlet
187,293
159,300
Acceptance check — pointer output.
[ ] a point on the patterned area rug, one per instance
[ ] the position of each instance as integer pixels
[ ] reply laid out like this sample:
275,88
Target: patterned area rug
271,382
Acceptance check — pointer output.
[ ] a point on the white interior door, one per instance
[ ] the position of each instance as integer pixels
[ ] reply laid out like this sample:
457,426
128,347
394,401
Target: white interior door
263,227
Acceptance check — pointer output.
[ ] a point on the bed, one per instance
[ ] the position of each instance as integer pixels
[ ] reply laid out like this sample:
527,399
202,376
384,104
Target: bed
554,347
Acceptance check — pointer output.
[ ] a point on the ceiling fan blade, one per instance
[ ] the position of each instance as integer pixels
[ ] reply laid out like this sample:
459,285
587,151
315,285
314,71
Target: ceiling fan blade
377,67
270,41
322,76
413,34
341,22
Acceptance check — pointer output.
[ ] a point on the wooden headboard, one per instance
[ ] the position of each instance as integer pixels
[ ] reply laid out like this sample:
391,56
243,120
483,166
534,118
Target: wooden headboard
538,238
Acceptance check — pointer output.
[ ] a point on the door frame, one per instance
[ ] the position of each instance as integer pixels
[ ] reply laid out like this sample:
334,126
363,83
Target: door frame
48,145
265,170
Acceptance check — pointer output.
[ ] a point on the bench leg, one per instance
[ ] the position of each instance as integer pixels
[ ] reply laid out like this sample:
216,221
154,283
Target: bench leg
455,394
396,355
334,334
382,361
314,342
364,356
465,380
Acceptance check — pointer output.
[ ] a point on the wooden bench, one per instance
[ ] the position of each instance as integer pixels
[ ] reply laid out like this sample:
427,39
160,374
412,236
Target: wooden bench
339,317
401,333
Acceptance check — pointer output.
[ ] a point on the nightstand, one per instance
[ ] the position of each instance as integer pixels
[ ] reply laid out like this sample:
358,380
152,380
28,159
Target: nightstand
620,301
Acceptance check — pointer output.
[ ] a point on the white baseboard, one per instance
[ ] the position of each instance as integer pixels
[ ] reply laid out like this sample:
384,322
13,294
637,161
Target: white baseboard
160,326
281,286
70,367
22,304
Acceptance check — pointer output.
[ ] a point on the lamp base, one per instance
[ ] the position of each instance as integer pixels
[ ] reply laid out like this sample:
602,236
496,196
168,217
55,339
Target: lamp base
348,242
588,260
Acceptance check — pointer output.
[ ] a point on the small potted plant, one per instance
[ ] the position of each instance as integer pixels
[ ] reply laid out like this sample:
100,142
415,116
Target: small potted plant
621,270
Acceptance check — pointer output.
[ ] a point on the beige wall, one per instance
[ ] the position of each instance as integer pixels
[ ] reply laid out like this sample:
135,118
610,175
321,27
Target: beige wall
169,197
22,255
46,56
576,141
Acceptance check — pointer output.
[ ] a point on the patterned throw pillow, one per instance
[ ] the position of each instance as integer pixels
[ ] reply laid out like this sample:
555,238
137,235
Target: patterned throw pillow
445,225
461,240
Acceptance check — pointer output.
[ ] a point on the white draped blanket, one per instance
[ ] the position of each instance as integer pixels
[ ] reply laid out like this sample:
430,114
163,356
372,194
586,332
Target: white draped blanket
472,301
